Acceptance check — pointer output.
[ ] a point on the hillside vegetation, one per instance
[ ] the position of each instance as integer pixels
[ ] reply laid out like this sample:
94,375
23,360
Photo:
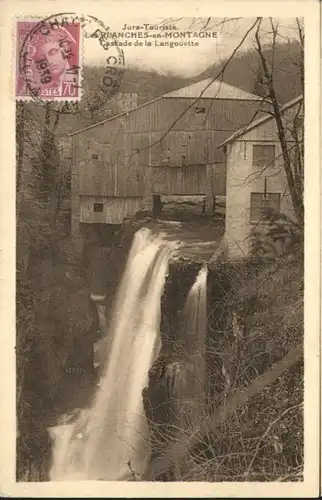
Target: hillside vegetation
147,84
243,71
252,428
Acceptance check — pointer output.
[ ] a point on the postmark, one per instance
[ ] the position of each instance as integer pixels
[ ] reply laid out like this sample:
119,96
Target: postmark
50,60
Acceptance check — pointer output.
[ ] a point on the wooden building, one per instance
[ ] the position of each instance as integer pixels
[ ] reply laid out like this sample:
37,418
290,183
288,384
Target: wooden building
256,179
167,146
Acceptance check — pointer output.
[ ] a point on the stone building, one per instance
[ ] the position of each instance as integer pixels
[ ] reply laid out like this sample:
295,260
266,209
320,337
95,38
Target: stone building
255,176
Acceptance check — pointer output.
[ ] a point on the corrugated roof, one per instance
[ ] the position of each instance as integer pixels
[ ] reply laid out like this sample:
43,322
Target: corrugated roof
207,89
114,117
258,122
212,89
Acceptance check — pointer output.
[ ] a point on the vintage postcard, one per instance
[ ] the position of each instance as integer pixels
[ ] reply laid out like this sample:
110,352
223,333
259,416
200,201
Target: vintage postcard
160,249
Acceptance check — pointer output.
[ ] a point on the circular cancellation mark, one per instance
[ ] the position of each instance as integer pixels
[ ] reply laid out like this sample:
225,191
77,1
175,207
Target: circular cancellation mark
51,59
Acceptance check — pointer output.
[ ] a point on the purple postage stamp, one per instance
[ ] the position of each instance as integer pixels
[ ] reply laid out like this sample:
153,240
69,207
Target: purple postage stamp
48,61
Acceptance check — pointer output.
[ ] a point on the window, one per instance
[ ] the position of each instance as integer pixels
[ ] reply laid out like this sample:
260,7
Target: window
261,203
263,155
98,207
200,111
184,154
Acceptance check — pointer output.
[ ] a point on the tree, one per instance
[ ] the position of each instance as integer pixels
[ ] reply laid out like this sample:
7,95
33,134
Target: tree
293,161
293,165
259,88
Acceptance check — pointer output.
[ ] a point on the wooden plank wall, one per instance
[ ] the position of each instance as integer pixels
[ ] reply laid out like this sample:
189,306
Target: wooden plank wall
193,145
121,145
137,158
97,175
189,180
223,115
114,209
114,159
178,162
114,167
219,179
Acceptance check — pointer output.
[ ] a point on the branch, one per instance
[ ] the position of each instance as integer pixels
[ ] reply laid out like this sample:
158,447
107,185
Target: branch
258,173
221,72
301,37
274,35
301,34
56,121
296,195
266,433
182,447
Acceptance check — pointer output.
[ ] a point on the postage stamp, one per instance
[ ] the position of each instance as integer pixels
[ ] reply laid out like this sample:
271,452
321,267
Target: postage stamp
48,60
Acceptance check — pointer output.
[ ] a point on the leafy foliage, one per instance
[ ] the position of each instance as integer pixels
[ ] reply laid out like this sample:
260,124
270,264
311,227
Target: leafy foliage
279,236
45,165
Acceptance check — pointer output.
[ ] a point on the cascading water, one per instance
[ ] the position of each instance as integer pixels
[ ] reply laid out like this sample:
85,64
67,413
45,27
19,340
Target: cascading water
191,392
110,440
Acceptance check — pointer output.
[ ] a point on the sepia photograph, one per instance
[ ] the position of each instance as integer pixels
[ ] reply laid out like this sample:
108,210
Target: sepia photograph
160,232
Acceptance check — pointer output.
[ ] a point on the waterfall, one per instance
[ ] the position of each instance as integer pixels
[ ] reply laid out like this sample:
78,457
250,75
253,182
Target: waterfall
110,440
191,390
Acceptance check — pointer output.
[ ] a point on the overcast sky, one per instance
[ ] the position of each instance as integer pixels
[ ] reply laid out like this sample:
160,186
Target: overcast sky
186,61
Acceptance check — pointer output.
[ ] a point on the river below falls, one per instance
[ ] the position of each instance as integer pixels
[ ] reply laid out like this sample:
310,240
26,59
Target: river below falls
199,238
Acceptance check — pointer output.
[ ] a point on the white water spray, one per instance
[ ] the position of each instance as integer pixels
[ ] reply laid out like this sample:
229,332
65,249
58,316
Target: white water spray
195,314
110,440
191,392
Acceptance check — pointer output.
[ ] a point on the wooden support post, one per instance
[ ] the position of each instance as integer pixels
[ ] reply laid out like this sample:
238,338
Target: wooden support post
148,180
147,198
156,204
214,206
209,195
77,233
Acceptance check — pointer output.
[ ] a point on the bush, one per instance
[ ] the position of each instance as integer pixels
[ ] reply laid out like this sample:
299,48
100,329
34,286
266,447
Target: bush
255,318
279,236
54,329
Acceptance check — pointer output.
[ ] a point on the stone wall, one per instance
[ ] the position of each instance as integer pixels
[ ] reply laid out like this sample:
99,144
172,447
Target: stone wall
243,179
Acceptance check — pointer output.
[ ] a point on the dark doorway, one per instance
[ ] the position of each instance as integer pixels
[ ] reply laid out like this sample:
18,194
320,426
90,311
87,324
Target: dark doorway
157,205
